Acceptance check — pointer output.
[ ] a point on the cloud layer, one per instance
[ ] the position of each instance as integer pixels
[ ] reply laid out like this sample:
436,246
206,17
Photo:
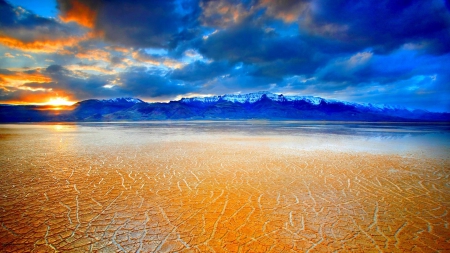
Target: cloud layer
363,51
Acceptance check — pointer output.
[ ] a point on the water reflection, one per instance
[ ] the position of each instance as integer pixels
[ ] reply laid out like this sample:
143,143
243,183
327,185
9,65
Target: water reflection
377,130
400,138
64,127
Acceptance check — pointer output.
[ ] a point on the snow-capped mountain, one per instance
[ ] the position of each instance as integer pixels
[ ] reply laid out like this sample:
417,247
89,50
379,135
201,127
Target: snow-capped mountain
258,105
252,98
122,100
256,96
311,107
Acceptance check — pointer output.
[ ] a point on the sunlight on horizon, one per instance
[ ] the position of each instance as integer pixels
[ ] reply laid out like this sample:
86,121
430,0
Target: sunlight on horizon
59,101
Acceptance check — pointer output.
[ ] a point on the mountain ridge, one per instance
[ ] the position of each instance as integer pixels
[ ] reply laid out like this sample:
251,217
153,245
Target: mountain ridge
257,105
253,97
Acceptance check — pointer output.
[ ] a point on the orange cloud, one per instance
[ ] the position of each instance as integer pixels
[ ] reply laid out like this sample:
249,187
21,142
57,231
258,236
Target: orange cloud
172,63
23,86
145,58
80,13
222,13
95,54
19,78
24,97
33,94
119,49
288,11
43,45
167,62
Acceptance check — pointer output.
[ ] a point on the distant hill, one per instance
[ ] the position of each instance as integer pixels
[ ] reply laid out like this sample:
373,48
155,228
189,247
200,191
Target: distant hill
259,105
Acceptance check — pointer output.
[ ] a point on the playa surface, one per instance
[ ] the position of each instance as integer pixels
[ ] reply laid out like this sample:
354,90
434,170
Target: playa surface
224,187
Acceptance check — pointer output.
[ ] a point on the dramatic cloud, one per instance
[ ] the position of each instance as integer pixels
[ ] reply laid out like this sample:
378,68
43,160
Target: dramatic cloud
79,12
131,23
16,78
21,29
382,25
363,51
157,60
139,82
224,13
287,10
199,70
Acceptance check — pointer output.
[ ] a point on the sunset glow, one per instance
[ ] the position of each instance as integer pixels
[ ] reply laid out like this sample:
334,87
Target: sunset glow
59,101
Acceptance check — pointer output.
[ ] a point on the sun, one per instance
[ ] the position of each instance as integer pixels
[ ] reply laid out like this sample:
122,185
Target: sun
59,101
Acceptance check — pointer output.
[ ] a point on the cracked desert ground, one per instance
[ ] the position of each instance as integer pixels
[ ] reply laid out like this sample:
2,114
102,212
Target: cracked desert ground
224,187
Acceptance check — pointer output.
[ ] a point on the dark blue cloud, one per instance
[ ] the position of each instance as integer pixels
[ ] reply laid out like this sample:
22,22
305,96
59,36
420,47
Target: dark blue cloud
272,54
199,70
78,86
8,16
142,83
382,25
55,69
367,68
140,23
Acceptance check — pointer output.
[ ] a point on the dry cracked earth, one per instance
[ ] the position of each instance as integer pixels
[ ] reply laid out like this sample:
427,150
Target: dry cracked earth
218,194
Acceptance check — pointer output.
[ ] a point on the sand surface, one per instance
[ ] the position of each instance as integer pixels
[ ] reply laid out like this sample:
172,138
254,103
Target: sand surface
182,191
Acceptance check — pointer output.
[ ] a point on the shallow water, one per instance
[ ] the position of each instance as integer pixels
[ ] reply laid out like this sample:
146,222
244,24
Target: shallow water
233,186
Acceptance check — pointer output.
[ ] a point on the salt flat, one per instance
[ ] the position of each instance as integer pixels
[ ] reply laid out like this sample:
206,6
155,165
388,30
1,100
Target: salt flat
224,187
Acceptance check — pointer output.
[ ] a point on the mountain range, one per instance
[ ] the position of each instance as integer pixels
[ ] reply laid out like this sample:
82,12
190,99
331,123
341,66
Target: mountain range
259,105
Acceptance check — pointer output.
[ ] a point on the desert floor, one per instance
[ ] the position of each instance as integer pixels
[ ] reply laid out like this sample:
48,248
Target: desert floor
204,192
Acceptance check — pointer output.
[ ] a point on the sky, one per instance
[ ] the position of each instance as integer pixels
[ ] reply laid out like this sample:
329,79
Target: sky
369,51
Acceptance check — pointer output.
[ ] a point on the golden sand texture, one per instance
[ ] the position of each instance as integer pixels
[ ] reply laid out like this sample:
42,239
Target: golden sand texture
233,196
